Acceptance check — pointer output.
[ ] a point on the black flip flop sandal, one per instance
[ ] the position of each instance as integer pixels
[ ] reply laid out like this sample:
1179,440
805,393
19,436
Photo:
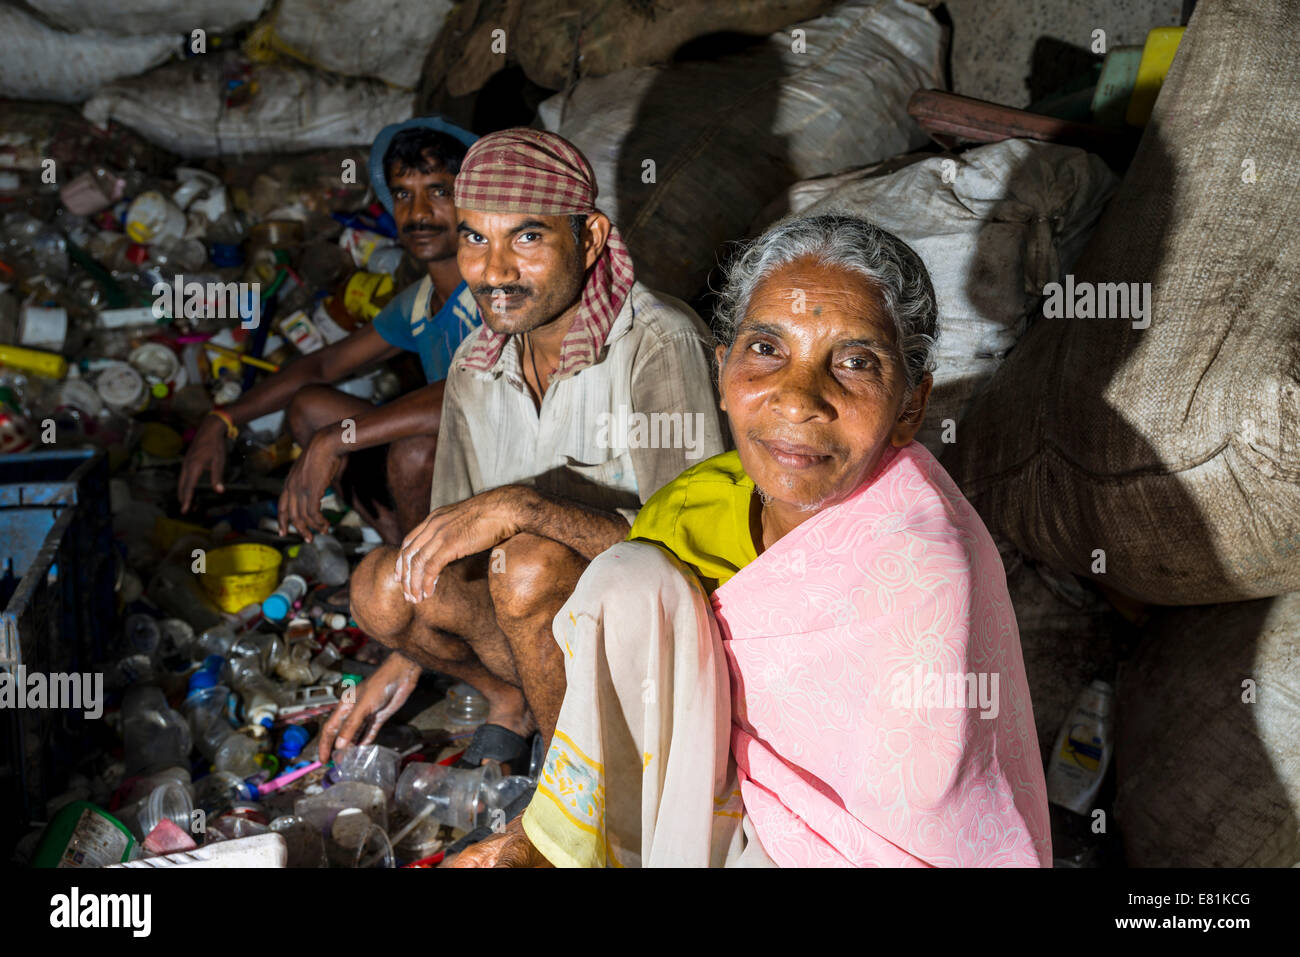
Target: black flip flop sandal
492,741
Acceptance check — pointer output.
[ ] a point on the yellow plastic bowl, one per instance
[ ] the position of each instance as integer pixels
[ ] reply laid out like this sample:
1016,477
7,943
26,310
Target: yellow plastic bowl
238,575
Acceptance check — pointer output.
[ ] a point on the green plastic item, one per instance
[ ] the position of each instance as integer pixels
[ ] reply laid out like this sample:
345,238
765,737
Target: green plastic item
84,835
1115,86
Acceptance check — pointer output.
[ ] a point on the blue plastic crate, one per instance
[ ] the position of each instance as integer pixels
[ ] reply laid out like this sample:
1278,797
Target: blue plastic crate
56,529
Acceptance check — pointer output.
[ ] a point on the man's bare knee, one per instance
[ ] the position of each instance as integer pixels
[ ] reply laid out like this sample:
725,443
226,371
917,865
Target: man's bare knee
410,461
377,603
301,415
530,575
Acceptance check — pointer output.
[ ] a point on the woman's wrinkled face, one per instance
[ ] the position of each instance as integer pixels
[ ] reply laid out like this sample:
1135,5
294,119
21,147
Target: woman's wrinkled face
814,386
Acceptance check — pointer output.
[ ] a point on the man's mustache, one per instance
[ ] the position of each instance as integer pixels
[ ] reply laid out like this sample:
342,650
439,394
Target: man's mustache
423,228
487,292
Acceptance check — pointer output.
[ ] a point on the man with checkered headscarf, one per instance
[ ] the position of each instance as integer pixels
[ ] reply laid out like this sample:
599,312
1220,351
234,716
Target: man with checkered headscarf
581,394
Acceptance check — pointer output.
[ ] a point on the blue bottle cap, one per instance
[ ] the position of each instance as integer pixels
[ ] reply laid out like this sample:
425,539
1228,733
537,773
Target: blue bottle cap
213,663
294,740
202,679
275,608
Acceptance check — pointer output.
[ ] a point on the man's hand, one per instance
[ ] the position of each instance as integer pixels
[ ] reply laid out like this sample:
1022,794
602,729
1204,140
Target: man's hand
454,532
370,705
318,466
207,453
510,848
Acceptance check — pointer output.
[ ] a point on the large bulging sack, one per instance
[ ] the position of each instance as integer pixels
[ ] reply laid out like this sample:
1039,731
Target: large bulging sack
557,41
38,63
182,108
135,17
384,39
686,155
993,226
1208,738
1161,453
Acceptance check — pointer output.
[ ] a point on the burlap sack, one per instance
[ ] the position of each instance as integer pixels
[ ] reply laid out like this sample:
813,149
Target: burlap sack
687,154
1165,461
1207,738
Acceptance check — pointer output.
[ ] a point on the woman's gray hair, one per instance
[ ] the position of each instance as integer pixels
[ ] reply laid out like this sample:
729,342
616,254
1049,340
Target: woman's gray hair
852,244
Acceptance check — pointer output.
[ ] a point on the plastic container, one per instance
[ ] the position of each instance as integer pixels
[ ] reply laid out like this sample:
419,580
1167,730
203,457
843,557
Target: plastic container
1083,749
219,791
171,801
237,754
48,364
260,699
238,575
306,847
122,388
321,809
206,708
215,641
320,560
277,605
83,835
462,797
42,327
153,217
465,707
367,293
154,735
259,850
370,764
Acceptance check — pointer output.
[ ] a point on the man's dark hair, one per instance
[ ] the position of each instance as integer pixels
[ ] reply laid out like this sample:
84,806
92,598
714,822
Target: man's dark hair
576,222
420,148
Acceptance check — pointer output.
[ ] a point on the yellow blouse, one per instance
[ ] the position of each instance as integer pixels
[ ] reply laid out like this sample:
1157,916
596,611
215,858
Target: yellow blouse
703,517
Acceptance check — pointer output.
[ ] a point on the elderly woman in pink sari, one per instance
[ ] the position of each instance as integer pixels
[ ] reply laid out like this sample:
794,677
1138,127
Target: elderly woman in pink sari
805,654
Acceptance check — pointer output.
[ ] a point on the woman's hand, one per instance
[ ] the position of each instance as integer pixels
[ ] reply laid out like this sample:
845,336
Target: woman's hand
510,848
318,465
367,708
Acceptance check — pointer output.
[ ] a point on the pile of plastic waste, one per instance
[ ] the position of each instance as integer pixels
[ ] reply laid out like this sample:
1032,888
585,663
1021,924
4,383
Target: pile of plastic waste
214,715
130,305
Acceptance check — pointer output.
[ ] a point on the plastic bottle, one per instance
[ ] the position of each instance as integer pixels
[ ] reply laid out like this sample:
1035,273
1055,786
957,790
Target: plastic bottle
217,640
1082,750
259,697
83,835
237,754
154,735
205,709
325,661
462,797
279,603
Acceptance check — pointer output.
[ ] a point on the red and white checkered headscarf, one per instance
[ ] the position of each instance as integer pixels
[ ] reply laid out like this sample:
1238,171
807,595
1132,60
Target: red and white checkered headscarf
536,173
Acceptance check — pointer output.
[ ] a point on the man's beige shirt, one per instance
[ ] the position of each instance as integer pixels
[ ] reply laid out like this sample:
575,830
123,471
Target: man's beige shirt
608,436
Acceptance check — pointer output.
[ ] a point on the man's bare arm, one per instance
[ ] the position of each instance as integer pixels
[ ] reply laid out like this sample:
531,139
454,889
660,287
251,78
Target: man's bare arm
588,531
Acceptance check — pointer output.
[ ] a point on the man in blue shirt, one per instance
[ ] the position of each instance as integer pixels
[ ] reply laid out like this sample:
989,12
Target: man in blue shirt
380,457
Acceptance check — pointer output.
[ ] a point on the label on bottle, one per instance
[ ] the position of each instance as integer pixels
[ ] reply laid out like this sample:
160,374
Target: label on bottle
95,842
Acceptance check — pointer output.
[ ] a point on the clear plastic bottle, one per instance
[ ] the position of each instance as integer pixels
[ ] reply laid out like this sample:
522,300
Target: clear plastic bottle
154,735
462,797
238,755
320,560
260,699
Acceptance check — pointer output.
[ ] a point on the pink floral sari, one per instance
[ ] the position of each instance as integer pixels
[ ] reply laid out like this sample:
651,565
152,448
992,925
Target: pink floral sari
880,713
